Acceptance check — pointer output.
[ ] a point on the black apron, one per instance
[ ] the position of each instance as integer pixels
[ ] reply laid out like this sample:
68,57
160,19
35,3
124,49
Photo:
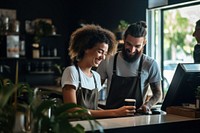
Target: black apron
124,87
85,97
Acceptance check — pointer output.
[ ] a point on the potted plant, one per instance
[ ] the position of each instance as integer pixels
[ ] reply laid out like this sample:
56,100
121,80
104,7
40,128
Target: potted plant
42,29
7,112
36,105
58,121
122,26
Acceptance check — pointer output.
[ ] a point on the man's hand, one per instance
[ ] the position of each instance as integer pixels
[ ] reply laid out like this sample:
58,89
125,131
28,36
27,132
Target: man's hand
144,109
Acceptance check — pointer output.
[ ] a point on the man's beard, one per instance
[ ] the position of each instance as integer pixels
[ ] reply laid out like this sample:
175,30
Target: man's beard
130,58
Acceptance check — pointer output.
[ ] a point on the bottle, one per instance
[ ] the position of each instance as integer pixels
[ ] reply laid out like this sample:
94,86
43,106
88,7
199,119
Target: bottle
22,50
42,51
55,53
36,51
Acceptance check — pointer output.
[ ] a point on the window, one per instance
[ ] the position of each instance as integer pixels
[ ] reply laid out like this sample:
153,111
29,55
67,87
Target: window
170,39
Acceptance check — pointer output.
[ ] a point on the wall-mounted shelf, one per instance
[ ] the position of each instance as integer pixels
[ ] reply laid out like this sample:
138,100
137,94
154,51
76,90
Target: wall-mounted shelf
35,71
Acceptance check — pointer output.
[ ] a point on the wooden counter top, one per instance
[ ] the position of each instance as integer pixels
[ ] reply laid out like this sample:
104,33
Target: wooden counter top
130,124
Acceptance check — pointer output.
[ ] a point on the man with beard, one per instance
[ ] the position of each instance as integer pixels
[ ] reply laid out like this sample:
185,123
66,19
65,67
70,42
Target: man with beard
129,73
196,34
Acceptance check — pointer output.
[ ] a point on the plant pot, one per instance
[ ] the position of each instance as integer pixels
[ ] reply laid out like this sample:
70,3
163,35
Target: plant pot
22,122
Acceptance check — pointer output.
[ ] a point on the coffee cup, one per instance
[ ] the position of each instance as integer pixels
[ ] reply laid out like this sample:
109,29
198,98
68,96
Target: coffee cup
130,102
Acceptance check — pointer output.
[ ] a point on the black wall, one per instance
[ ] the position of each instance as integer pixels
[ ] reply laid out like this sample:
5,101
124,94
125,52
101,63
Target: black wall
67,14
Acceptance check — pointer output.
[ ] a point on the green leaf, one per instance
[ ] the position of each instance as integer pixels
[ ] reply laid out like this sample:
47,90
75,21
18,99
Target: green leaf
44,106
6,91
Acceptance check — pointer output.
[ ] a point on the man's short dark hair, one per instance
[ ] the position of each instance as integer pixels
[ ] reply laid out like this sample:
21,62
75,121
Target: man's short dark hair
137,29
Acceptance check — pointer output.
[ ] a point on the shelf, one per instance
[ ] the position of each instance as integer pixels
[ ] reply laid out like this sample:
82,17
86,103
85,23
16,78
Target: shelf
9,58
47,58
24,58
36,71
42,72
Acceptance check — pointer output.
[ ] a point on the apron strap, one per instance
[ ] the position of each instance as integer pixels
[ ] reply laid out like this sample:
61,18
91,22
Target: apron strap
79,77
95,82
114,65
140,67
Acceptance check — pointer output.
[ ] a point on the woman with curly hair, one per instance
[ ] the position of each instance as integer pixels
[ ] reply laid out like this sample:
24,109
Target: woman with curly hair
89,45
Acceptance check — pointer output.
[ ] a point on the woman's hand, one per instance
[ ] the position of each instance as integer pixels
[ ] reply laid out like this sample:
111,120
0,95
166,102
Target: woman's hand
125,111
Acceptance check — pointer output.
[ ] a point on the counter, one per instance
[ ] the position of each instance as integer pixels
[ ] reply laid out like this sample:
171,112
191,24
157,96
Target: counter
163,123
147,123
